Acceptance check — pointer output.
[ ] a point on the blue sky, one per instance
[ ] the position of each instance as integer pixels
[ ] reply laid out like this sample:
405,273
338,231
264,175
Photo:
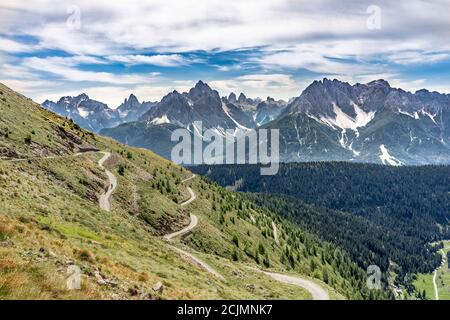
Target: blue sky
111,49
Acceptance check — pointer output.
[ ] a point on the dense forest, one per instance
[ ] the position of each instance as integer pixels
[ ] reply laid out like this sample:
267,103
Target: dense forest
379,214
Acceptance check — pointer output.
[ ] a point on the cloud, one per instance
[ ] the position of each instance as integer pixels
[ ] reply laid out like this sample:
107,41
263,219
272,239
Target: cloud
177,26
308,39
417,57
279,86
113,96
12,46
168,60
65,68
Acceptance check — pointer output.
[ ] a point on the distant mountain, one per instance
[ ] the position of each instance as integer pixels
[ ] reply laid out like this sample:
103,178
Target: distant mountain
201,103
268,110
373,122
143,134
329,120
181,110
131,109
253,112
89,114
94,115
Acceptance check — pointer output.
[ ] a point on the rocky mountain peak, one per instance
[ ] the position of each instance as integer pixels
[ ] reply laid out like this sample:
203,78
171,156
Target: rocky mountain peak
81,97
202,90
379,83
132,99
242,98
232,98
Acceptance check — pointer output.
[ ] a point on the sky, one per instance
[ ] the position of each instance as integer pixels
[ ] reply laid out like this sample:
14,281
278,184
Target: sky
110,49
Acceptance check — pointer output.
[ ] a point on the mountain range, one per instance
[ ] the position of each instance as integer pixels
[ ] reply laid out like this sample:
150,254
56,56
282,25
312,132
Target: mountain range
329,120
94,115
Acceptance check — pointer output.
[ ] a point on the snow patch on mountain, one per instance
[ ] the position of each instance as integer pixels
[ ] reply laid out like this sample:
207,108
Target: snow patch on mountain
431,116
344,121
160,120
387,159
83,112
414,115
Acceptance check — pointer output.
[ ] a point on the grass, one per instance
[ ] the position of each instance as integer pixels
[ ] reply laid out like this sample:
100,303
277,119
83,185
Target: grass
443,276
425,281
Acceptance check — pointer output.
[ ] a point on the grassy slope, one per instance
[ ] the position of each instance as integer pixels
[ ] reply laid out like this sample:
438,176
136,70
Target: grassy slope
443,276
425,281
49,219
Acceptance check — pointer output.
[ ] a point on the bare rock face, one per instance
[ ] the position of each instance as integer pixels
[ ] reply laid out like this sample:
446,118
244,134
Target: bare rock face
373,122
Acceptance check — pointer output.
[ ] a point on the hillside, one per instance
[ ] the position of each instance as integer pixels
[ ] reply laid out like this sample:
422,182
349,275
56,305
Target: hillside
380,215
51,180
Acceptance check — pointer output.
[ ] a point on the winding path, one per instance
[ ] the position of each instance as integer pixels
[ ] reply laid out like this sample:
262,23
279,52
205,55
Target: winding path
199,262
103,200
436,291
317,292
192,225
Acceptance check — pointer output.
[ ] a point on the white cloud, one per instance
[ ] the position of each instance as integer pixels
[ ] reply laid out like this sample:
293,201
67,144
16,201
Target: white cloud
279,86
417,57
110,27
322,36
12,46
65,68
113,96
168,60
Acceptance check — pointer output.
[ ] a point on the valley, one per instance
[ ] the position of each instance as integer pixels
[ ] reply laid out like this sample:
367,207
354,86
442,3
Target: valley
380,215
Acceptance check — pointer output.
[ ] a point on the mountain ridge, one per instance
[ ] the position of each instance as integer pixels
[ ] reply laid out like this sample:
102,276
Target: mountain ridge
329,120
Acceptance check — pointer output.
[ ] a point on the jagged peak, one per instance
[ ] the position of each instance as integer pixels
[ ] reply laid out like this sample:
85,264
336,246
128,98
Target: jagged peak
232,97
201,85
132,99
422,91
242,96
83,96
379,82
47,101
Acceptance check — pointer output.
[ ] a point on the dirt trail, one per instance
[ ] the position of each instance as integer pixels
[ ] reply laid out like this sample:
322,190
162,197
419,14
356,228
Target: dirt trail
186,230
317,292
103,200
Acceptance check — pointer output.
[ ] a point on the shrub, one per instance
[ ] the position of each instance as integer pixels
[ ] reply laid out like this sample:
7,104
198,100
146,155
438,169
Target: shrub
261,249
129,155
236,241
235,255
121,169
27,139
86,255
